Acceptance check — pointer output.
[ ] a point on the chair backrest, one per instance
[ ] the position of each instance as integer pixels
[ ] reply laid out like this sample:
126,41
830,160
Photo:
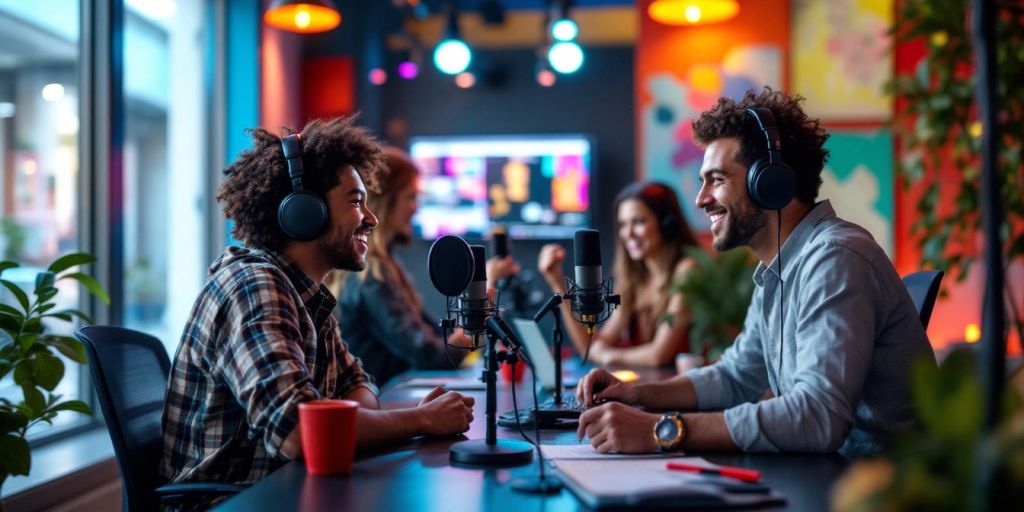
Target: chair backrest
924,288
130,371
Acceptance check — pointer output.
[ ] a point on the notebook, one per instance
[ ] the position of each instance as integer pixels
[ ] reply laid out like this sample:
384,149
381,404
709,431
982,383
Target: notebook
619,483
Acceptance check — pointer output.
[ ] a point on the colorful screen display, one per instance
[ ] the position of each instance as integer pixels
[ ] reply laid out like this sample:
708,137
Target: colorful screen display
533,187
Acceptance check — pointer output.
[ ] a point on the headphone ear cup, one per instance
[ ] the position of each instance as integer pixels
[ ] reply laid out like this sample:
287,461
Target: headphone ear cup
770,186
302,216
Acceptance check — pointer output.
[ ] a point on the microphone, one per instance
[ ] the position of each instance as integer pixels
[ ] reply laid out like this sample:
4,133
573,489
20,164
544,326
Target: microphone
459,271
474,306
590,296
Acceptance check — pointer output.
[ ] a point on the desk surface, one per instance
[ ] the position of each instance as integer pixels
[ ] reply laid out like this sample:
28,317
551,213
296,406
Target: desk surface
416,475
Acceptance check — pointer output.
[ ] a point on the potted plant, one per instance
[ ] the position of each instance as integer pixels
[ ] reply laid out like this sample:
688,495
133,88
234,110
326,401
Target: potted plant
939,134
717,293
936,466
27,354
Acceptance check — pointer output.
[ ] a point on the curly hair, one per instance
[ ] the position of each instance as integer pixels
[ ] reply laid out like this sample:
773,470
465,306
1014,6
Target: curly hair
258,181
803,138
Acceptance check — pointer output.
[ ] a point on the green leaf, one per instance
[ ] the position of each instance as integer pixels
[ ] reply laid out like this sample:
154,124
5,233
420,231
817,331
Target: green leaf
69,260
18,293
8,310
45,280
33,399
23,372
11,421
90,283
70,347
4,265
48,370
28,340
73,312
15,456
73,405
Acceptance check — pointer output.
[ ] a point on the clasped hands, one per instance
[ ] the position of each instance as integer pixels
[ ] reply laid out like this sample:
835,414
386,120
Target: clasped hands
611,421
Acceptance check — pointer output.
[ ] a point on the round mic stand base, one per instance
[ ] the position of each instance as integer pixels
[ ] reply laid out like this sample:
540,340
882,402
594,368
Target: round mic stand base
539,485
504,452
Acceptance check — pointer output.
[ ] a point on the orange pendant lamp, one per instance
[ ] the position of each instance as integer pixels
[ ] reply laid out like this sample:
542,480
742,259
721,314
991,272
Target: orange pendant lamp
692,12
302,16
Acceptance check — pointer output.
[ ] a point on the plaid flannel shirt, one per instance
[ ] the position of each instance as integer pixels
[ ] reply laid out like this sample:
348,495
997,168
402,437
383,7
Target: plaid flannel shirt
260,340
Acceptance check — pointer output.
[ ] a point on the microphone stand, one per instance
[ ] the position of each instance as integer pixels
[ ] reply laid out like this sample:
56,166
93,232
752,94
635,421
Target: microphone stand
491,451
556,335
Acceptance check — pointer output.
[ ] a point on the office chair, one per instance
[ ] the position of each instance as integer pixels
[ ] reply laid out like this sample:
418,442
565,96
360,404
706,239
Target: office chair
924,289
130,371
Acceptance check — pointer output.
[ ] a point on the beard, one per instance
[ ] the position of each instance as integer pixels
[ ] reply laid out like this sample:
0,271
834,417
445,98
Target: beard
742,224
340,250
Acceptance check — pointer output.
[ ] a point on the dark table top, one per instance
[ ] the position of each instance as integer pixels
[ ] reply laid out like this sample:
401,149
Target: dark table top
416,474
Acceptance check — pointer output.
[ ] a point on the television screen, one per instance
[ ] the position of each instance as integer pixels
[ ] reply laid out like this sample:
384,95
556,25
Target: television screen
532,186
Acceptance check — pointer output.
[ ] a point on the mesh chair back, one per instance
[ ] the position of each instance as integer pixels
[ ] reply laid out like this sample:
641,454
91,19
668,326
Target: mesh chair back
130,371
924,289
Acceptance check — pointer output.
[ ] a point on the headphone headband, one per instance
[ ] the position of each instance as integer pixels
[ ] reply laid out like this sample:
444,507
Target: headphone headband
766,122
292,146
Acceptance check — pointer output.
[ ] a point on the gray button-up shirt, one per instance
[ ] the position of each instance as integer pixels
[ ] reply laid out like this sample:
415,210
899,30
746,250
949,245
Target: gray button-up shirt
841,374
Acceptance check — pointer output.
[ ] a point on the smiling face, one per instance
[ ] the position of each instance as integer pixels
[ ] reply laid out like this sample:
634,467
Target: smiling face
345,243
735,220
638,230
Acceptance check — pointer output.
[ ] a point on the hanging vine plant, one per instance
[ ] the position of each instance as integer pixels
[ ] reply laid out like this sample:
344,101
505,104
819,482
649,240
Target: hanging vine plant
938,128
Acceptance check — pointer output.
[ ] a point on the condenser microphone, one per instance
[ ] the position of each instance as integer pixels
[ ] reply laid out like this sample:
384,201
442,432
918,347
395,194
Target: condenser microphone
590,297
474,305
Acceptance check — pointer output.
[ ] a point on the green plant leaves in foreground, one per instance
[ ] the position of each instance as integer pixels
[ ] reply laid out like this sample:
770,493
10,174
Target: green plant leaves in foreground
17,459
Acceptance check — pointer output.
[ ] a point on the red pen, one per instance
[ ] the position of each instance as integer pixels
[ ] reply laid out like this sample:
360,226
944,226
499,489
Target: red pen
746,475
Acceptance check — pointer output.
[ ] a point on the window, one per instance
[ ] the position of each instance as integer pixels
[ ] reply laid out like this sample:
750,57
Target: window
165,183
39,142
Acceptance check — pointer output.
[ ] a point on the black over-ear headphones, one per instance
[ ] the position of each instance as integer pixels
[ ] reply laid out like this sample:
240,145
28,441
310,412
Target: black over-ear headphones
301,215
770,182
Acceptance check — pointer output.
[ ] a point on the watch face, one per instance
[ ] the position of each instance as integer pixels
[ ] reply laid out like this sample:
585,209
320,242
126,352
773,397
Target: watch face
667,430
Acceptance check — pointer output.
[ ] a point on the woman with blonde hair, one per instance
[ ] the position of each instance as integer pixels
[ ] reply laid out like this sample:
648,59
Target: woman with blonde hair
380,312
651,325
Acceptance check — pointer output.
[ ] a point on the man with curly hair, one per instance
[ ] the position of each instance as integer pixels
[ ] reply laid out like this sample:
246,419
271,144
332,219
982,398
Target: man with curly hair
261,337
822,363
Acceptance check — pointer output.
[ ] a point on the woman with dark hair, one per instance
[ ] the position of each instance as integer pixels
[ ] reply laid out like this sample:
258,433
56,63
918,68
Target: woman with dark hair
379,309
650,326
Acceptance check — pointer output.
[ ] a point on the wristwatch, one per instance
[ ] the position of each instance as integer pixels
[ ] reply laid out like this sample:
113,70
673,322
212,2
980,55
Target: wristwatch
670,431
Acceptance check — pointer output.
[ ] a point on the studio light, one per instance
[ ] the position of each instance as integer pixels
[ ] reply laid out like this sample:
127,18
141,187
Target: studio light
465,80
564,29
452,56
408,70
302,16
378,76
565,57
692,12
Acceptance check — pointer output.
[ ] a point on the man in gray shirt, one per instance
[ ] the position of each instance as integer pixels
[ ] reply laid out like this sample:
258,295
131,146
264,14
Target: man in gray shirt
822,363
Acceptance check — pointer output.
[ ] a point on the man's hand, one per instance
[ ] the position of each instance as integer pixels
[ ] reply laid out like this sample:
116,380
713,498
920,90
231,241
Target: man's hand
615,427
600,386
446,413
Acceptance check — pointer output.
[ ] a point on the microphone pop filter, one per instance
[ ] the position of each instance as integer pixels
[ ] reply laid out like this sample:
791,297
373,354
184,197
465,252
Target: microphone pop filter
450,264
586,248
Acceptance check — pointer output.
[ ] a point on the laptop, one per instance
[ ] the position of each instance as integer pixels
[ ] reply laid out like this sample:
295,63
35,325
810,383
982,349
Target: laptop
549,414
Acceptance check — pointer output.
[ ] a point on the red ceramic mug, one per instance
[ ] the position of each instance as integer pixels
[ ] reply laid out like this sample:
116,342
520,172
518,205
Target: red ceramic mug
328,429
